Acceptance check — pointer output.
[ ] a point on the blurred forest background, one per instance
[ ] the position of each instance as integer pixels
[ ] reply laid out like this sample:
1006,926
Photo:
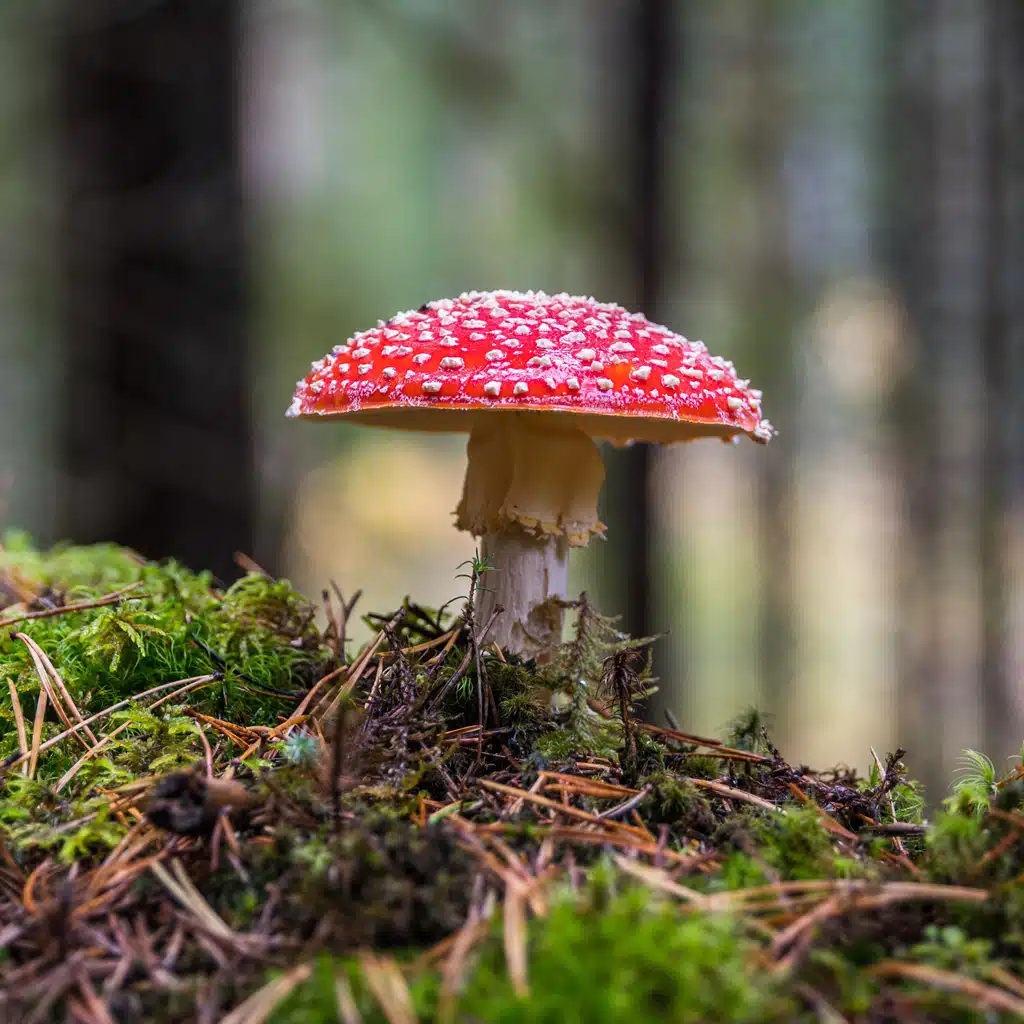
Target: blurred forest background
200,197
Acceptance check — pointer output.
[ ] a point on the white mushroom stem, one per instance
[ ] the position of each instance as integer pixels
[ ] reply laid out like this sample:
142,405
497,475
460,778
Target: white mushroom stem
528,573
531,492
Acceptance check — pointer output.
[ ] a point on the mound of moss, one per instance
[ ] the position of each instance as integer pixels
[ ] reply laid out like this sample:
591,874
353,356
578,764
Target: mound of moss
213,807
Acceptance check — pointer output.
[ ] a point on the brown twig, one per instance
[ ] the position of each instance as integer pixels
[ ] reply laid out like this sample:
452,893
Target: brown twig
80,606
19,720
716,747
987,995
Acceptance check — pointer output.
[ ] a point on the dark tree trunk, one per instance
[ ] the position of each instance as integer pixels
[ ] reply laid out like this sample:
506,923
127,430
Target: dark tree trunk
653,44
1000,285
768,295
953,252
156,440
909,246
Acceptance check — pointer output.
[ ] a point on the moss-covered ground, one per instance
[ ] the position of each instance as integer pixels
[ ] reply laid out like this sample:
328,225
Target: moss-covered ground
212,809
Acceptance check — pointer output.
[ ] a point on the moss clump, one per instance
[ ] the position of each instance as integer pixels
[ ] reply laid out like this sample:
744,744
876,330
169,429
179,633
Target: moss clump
381,882
677,803
253,646
629,958
594,959
796,845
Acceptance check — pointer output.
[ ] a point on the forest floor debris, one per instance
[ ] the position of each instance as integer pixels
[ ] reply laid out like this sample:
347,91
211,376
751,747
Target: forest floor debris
213,808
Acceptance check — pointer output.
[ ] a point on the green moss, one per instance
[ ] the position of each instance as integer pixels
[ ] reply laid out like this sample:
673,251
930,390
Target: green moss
699,767
676,802
956,844
257,638
796,845
632,959
740,871
749,731
382,882
628,957
76,568
579,732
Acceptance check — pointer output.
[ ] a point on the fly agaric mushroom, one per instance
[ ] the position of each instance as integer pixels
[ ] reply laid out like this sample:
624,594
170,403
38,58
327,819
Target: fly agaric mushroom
534,379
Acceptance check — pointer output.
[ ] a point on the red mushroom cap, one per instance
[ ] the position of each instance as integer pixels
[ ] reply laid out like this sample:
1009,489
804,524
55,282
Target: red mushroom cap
617,374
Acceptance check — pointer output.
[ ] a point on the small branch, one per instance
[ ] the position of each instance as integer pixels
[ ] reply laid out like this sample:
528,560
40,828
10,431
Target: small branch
896,828
989,996
80,606
626,807
731,793
341,622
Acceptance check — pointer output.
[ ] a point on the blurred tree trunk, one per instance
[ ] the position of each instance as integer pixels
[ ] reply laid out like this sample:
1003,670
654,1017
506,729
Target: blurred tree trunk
156,436
909,199
768,294
652,44
949,134
1001,282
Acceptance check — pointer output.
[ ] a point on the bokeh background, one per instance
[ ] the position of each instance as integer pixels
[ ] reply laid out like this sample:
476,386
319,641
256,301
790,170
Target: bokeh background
200,197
